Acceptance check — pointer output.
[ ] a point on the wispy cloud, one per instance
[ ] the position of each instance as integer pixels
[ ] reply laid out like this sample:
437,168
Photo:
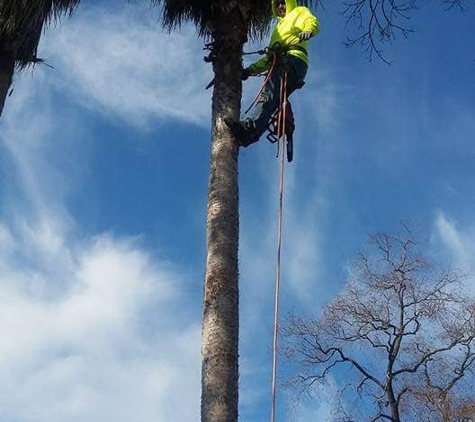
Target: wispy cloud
459,244
98,345
458,241
86,326
85,320
121,64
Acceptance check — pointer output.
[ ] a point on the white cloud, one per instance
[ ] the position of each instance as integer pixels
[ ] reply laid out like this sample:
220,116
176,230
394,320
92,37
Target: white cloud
105,348
303,247
460,243
86,321
121,64
321,100
454,239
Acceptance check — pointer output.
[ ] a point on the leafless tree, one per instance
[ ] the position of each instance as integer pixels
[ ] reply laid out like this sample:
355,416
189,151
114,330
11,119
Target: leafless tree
445,393
379,22
465,412
398,319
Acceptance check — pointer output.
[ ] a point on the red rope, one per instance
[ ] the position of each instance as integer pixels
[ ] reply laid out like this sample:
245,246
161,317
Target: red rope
281,135
269,74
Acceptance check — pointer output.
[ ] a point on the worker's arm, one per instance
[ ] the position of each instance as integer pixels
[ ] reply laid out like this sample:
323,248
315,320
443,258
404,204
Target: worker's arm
260,66
308,23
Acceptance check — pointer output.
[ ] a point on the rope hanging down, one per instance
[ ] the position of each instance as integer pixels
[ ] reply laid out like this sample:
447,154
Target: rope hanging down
281,134
281,128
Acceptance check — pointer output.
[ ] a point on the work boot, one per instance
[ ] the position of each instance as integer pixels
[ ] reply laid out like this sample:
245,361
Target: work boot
243,131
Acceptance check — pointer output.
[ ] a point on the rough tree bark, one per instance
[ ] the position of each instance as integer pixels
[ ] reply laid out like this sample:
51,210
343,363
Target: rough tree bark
219,401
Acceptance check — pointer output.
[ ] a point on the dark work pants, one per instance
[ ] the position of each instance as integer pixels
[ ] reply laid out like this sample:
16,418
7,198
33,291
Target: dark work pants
269,99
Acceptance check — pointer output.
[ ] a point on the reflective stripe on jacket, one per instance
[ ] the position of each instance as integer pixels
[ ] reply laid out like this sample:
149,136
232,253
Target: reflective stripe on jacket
297,19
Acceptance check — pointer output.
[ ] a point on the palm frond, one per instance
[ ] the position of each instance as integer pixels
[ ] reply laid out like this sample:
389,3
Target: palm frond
201,12
22,23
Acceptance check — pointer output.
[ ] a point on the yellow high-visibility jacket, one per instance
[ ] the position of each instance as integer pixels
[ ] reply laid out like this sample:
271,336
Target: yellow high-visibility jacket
297,19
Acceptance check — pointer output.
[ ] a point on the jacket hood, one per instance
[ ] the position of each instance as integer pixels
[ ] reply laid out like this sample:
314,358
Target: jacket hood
289,6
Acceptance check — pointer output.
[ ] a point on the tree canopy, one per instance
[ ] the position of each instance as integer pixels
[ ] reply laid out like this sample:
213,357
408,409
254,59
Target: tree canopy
403,330
203,13
22,23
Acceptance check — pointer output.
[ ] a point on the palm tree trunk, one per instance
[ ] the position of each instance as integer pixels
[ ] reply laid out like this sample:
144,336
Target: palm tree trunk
7,67
219,400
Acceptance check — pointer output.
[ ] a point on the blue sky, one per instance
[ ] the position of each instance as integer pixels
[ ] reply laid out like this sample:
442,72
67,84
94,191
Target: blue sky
104,168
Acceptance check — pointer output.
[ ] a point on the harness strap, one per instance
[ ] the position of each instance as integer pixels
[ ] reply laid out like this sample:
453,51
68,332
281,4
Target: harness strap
284,49
297,48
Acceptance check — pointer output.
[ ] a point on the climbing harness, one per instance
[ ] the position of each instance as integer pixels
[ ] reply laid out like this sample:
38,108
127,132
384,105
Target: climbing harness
277,52
282,113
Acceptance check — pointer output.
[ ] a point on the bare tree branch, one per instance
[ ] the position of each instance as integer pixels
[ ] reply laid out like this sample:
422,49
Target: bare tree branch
399,320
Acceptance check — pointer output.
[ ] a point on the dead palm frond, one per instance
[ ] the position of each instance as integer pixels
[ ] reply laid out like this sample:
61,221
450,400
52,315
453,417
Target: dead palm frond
202,12
22,22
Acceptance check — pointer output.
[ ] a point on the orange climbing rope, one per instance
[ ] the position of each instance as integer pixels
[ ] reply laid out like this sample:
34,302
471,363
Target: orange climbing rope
279,135
266,79
281,121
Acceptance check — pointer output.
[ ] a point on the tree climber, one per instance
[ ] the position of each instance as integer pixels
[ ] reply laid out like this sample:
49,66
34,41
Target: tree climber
296,25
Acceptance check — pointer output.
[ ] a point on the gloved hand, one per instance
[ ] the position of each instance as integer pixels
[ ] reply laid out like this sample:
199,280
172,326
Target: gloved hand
245,74
305,35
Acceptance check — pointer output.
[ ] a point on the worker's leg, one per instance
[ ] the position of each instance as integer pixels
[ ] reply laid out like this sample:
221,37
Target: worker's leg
296,72
269,99
266,105
250,130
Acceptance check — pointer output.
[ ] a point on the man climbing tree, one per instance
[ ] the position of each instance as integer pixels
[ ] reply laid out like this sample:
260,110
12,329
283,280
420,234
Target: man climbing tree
289,48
